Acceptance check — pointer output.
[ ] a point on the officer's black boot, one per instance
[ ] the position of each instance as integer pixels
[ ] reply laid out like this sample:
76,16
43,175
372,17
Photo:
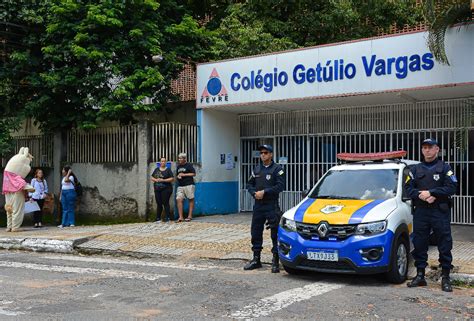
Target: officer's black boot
419,279
446,281
275,263
254,263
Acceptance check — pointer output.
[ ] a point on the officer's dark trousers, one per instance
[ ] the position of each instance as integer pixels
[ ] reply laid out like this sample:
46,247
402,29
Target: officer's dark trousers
425,220
261,213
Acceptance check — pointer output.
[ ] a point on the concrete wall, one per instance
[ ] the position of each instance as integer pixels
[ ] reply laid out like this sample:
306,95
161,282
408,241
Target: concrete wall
110,191
219,134
115,192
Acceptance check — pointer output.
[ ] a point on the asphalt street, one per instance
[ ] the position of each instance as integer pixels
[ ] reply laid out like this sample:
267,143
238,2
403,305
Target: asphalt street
42,286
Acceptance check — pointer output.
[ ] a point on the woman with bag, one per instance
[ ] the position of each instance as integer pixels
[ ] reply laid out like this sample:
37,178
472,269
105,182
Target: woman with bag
68,197
41,190
162,178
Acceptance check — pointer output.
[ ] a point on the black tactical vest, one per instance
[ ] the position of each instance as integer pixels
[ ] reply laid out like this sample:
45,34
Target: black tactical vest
429,178
264,178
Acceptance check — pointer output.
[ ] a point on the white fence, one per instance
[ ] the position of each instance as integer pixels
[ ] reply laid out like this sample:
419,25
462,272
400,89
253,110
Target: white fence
170,139
310,140
120,144
41,147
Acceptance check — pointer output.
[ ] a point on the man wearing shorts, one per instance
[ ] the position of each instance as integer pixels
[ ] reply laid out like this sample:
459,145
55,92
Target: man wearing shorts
185,173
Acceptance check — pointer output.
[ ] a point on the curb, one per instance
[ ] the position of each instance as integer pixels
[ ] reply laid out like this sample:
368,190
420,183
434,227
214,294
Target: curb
40,244
462,277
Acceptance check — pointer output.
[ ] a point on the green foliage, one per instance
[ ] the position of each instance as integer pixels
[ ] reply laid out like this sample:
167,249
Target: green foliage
439,16
239,36
83,61
258,26
7,125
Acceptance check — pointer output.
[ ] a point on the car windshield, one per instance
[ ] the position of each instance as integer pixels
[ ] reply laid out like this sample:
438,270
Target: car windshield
358,184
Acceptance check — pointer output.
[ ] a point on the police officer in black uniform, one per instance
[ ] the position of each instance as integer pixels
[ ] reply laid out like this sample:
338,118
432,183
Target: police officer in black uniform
431,184
265,185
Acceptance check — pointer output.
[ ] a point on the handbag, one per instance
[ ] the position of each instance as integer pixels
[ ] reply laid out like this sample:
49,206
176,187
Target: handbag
48,206
78,188
31,206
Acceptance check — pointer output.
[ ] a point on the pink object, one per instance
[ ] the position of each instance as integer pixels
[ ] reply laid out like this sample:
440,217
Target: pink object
12,182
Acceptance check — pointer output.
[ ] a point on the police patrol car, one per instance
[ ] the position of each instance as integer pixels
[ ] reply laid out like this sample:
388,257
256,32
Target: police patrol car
356,219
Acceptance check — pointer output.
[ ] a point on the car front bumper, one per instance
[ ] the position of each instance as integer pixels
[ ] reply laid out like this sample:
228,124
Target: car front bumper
293,253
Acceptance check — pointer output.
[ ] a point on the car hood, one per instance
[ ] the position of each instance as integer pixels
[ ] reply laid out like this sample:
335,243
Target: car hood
334,211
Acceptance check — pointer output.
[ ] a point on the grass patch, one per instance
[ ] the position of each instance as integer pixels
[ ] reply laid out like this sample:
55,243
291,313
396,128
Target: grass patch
463,284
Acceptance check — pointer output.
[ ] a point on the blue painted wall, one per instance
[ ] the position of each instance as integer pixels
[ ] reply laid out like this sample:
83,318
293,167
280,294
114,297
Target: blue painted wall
215,198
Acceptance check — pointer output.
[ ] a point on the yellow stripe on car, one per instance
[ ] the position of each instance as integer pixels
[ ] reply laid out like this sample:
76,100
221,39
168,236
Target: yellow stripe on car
314,213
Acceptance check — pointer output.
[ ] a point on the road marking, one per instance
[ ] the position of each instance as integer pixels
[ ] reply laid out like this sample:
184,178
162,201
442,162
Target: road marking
281,300
95,295
78,270
8,312
133,262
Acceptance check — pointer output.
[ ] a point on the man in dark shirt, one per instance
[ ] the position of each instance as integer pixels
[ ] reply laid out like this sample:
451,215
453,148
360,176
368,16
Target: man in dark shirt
430,185
185,173
265,185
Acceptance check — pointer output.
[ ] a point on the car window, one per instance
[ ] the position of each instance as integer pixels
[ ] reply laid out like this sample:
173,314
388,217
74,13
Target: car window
358,184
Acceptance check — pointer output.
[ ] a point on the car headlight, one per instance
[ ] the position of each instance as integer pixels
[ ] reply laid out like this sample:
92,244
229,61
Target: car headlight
371,228
287,224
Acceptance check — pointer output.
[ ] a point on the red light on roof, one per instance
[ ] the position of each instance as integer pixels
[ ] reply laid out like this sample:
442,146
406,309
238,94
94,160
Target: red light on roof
357,157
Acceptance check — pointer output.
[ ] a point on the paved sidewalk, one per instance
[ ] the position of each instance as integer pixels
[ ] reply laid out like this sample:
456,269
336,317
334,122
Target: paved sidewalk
218,237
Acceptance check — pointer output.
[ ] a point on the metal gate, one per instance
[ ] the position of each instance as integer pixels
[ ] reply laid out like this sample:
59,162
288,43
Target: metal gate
307,143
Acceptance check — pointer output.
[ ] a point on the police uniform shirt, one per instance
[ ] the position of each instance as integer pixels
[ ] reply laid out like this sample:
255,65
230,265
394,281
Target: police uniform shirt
436,177
269,178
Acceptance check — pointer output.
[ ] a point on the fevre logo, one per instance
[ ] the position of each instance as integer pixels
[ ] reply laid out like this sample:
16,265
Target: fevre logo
215,90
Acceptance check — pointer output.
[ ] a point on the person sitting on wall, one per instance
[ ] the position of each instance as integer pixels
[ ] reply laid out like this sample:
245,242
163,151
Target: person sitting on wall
185,173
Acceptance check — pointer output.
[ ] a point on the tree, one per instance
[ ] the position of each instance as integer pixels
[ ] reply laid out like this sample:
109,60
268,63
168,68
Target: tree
301,23
238,35
74,63
439,16
7,125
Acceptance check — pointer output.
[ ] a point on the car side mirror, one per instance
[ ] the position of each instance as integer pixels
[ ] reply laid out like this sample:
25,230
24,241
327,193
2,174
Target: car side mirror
305,193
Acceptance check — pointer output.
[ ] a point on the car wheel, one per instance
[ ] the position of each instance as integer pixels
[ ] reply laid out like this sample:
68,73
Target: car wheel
399,262
292,271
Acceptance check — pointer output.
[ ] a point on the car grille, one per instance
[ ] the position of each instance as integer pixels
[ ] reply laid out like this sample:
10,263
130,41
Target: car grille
338,266
309,231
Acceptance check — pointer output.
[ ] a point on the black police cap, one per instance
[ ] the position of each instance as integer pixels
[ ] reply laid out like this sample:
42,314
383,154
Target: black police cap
430,141
267,147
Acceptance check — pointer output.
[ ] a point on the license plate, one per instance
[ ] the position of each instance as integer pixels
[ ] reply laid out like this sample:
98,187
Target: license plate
323,255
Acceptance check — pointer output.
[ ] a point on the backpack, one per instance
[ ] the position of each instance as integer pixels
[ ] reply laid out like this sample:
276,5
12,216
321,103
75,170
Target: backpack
78,188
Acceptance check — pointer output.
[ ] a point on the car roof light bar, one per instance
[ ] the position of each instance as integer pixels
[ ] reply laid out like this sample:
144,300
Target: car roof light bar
375,157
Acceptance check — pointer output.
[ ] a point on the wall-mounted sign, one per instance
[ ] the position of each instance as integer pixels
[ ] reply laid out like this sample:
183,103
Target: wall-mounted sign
282,160
380,64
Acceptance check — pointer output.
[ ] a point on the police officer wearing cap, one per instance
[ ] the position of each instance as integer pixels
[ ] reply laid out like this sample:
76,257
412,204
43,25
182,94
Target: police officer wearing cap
431,184
265,185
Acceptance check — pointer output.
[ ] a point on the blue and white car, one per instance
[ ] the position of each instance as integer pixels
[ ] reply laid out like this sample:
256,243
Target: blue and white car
356,219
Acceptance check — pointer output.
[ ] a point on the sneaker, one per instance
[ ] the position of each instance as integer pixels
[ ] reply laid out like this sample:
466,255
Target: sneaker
72,225
60,226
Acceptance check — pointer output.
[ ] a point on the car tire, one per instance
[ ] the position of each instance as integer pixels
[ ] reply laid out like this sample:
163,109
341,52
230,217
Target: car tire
292,271
398,268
